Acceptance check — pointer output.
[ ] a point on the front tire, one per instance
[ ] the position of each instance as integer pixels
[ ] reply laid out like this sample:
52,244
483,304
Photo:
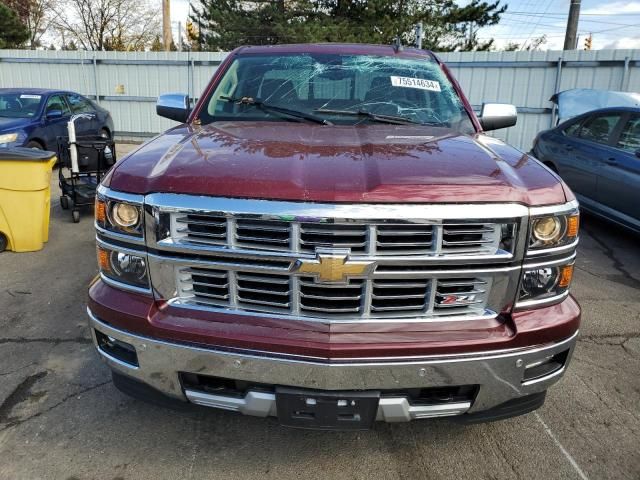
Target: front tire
35,145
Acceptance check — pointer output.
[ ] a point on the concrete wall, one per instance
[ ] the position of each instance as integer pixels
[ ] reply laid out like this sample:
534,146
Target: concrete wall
526,79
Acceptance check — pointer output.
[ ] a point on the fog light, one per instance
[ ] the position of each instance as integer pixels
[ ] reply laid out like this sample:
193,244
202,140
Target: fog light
125,215
127,265
545,283
540,281
124,267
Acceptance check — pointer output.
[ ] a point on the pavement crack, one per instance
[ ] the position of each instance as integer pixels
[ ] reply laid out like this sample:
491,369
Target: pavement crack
609,339
14,422
19,395
2,374
55,341
630,280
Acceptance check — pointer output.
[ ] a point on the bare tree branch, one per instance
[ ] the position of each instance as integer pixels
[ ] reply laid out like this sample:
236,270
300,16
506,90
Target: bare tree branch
108,24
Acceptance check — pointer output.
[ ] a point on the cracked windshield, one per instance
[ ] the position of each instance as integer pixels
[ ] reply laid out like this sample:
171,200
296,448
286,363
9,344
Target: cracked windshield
337,89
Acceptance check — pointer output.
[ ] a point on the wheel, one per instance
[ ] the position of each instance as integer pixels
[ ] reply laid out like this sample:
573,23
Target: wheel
76,215
3,242
64,202
35,145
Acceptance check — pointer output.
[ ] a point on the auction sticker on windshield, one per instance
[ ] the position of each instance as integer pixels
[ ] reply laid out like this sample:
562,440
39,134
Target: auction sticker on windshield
32,97
420,83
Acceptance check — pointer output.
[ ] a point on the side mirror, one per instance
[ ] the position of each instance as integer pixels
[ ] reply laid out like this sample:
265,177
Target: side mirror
497,115
53,114
174,106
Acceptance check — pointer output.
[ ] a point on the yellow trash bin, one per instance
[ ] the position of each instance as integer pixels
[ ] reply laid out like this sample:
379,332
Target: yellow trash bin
25,194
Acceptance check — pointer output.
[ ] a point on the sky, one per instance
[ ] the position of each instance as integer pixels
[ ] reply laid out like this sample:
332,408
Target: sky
613,24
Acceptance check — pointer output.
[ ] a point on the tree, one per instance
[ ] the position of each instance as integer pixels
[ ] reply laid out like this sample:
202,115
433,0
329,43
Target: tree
533,45
226,24
109,24
36,15
13,33
70,46
156,45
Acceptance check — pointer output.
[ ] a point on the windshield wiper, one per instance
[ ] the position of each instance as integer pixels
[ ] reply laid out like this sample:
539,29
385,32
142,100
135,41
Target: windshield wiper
377,117
273,108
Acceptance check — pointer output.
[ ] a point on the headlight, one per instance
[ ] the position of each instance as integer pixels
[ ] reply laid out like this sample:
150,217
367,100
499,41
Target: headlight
8,138
554,230
547,229
118,216
124,215
545,283
124,267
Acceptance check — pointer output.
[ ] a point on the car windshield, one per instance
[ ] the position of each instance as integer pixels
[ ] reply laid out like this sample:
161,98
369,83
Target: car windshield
19,105
343,89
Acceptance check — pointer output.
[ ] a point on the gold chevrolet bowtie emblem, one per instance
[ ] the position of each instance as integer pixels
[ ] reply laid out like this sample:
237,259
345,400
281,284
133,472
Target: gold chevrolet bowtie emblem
332,268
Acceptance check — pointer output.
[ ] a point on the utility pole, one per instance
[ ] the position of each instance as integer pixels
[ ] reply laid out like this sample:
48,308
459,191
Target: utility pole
167,38
571,37
419,34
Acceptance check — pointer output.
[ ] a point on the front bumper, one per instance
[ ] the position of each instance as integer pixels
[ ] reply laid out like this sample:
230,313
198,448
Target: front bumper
500,375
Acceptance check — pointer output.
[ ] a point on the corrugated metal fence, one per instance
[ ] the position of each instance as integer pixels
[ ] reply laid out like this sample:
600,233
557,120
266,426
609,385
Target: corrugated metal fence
526,79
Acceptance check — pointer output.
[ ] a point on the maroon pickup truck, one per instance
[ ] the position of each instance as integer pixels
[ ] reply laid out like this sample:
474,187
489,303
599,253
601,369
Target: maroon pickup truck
329,237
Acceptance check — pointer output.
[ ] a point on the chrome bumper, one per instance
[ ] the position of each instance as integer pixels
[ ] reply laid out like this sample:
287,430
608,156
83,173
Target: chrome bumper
499,374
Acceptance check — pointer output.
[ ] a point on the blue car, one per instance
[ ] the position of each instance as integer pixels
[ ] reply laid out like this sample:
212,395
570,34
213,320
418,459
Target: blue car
598,154
34,118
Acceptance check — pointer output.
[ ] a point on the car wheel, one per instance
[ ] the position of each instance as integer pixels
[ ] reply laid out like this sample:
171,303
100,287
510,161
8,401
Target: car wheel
35,145
3,242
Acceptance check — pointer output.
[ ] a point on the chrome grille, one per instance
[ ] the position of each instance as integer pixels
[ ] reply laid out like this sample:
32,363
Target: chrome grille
380,238
335,262
369,298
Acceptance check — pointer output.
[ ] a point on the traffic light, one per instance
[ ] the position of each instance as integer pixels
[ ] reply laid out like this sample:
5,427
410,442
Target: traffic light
587,42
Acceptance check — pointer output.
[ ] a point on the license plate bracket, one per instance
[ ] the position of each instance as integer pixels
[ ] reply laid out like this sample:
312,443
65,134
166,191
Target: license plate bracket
322,410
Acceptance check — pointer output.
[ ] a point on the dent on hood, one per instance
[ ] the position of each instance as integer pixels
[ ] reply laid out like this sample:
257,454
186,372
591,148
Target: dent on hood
544,187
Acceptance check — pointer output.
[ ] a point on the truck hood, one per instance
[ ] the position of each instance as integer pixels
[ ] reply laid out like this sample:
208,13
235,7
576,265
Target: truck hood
306,162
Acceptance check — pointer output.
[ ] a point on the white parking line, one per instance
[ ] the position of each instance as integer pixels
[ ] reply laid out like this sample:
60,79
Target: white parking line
566,454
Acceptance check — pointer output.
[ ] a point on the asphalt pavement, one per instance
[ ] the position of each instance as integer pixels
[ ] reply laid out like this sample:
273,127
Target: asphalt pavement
62,418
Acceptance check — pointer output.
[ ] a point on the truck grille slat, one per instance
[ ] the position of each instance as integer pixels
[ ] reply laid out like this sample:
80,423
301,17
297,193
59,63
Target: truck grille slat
396,239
